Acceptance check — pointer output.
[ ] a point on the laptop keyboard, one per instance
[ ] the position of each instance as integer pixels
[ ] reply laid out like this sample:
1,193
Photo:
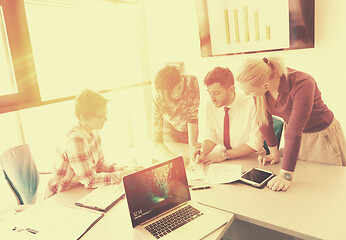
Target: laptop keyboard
173,221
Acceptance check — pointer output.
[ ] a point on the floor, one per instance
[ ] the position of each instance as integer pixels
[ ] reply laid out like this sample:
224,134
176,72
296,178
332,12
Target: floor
240,230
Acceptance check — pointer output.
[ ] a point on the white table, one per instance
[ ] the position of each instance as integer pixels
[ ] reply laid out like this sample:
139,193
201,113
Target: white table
312,208
116,223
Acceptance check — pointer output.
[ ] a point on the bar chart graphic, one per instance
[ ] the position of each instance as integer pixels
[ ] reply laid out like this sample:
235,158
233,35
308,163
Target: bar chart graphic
248,25
229,24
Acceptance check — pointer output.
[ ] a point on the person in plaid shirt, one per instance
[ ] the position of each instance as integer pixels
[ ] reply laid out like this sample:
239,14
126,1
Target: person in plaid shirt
80,157
175,109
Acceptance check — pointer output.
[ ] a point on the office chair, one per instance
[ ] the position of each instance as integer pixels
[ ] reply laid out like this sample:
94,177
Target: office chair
278,125
21,173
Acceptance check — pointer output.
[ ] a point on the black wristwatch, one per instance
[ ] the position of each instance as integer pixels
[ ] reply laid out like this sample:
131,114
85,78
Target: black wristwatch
226,155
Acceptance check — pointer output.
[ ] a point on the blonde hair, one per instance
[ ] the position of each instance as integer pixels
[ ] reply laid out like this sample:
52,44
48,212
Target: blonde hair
88,102
254,73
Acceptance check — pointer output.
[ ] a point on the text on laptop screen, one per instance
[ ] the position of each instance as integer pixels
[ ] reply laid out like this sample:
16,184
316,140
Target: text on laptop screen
156,189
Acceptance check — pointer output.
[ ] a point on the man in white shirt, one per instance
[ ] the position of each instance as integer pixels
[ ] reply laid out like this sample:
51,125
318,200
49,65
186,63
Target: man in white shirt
236,132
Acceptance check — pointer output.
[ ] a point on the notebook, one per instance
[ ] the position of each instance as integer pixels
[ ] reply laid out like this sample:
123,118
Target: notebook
160,204
102,198
47,220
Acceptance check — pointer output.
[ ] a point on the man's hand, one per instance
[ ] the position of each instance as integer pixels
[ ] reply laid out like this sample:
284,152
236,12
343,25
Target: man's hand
213,157
198,156
197,145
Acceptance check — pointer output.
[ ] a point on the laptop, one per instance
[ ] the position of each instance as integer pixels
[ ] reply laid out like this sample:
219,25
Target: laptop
102,198
160,204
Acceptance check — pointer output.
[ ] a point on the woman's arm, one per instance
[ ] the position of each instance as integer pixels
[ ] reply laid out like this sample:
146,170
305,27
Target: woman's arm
192,133
303,97
157,130
192,115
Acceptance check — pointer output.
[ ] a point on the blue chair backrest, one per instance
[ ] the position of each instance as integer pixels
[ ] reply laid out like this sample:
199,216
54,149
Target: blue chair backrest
21,173
278,125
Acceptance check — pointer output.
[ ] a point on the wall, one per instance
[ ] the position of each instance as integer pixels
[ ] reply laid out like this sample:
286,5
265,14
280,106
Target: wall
173,36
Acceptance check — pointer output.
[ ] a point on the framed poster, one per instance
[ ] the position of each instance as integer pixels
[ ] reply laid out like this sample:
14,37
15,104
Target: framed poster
229,27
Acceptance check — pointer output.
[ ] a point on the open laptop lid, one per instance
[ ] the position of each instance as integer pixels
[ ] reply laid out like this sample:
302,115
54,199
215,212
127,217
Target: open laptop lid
156,189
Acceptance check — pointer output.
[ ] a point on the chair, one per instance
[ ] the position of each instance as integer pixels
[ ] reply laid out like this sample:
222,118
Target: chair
278,125
21,173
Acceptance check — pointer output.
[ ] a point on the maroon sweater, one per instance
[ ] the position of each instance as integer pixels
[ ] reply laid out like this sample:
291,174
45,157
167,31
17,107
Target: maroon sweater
300,104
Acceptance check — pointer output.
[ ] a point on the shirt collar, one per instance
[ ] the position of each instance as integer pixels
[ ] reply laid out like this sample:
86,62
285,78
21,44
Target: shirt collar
83,132
238,98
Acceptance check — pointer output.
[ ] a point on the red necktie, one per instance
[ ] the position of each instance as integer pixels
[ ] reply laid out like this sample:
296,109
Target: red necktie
226,138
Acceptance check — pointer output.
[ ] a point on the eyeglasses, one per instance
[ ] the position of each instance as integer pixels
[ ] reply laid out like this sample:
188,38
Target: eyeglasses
102,117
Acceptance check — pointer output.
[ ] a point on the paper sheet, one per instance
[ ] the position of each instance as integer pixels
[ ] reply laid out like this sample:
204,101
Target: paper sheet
223,173
51,221
195,172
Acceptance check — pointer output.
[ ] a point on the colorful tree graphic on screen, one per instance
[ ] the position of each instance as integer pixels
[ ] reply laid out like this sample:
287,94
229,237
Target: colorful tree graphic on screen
158,180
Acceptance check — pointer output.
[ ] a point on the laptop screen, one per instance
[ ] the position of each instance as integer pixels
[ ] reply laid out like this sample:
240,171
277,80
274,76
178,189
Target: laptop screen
156,189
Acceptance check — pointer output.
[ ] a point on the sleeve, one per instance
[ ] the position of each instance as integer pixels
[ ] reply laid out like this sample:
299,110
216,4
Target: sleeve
102,165
303,98
84,169
255,139
157,121
194,101
210,121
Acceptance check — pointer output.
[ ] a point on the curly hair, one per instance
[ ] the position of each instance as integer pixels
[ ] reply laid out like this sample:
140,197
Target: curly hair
167,79
221,75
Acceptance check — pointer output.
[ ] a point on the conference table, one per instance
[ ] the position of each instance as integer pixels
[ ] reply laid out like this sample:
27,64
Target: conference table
312,208
116,223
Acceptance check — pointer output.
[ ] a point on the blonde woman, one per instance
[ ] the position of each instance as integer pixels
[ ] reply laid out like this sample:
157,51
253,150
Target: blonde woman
311,134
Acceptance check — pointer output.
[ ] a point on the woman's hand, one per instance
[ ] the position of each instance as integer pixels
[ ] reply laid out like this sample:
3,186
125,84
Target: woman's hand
197,145
272,158
281,182
186,160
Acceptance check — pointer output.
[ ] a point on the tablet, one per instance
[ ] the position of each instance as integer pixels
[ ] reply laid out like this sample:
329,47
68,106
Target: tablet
257,177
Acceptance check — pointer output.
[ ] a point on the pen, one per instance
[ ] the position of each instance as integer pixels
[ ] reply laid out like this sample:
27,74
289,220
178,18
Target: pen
200,188
30,230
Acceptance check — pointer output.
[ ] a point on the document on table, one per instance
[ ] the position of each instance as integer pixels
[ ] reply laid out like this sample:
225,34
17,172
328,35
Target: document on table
7,212
195,172
102,198
223,173
49,221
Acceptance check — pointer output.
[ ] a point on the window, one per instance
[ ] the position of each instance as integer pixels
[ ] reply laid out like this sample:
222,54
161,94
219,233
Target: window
82,44
8,82
18,73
